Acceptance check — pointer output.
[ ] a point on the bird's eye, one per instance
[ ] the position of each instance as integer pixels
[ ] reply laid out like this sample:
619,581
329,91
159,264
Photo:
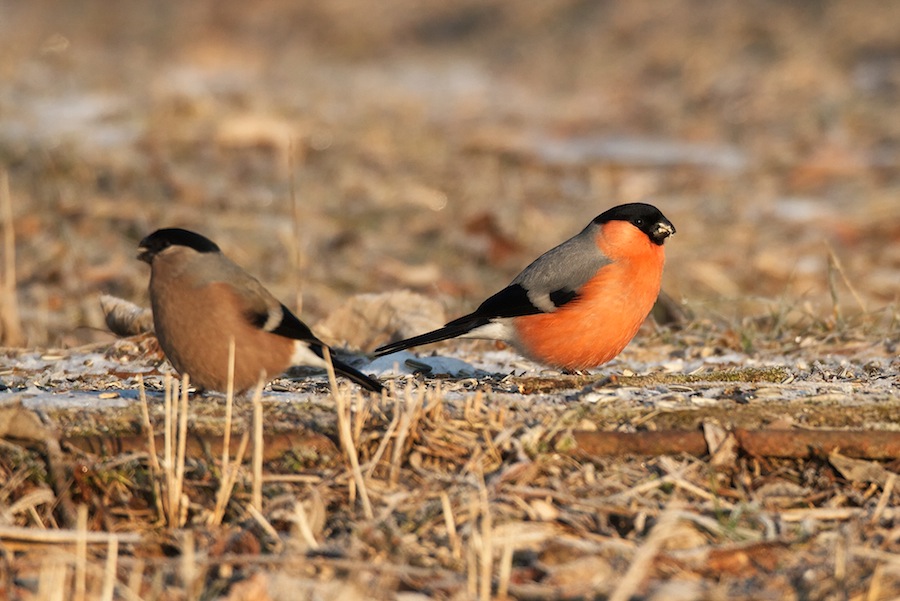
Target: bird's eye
639,221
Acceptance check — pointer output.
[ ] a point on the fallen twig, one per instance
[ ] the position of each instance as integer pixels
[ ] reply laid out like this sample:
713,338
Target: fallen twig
860,444
64,536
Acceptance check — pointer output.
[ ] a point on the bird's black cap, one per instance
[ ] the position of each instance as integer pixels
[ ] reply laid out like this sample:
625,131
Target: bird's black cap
162,239
643,216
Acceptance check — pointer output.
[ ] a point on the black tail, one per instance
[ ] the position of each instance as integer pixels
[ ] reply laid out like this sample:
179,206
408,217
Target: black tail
341,368
353,374
455,328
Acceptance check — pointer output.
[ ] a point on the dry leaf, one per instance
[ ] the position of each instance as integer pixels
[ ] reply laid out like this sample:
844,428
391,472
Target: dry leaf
684,536
544,510
859,470
746,560
587,575
780,493
722,444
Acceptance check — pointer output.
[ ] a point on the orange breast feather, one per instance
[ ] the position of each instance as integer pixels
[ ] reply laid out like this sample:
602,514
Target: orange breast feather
611,307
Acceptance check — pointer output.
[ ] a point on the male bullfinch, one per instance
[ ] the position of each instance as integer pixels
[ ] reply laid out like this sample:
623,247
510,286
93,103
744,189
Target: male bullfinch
201,300
579,304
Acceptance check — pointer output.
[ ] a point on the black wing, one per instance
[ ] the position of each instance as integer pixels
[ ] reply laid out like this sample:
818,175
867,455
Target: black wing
291,327
512,301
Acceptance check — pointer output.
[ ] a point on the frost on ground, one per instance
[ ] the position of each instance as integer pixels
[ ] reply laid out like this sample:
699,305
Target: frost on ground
339,153
472,468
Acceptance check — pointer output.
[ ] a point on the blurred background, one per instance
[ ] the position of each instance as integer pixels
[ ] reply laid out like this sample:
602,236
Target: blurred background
341,147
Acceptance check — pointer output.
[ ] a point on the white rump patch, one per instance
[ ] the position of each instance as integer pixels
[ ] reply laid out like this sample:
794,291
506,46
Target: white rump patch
500,329
303,355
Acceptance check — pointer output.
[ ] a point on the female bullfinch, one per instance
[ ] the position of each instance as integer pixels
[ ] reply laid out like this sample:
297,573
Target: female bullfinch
579,304
201,300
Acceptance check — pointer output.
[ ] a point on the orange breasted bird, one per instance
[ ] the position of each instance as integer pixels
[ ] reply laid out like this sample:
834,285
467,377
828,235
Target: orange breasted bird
579,304
201,300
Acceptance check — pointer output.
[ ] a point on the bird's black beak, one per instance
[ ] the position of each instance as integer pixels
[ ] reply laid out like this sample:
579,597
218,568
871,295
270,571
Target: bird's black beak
145,255
663,230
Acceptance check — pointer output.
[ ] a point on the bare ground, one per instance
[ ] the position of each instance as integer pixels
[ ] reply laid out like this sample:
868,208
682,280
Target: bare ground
336,149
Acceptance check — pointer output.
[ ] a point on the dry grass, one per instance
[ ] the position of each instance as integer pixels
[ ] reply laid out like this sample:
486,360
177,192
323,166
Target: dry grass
334,149
10,325
488,522
342,407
